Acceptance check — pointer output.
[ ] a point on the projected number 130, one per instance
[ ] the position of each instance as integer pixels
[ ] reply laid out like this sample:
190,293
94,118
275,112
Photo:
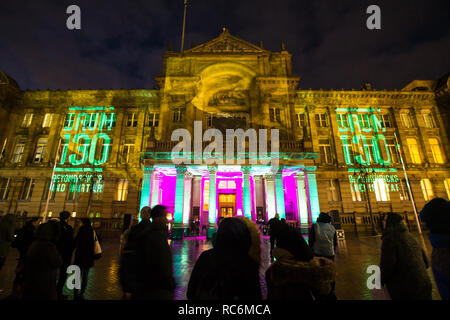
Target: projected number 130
85,149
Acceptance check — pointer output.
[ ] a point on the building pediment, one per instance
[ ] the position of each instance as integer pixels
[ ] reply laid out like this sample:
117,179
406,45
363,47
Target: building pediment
226,43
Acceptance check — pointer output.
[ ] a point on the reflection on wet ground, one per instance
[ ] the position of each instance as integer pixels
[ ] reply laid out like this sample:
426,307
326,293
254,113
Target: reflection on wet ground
354,255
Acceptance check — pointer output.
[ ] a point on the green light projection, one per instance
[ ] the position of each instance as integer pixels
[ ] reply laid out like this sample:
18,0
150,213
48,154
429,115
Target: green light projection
364,145
85,148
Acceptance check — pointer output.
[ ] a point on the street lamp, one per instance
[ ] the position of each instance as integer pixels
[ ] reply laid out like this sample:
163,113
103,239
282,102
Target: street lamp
364,174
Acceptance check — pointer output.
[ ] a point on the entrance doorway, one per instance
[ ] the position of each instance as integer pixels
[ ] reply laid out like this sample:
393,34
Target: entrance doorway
227,205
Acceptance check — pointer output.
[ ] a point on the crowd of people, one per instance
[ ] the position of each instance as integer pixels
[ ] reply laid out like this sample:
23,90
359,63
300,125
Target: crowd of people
299,270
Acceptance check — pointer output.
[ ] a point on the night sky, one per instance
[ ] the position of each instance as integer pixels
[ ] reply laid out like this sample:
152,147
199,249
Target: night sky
121,42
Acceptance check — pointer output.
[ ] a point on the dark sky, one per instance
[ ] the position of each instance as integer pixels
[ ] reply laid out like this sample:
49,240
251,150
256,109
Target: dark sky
121,42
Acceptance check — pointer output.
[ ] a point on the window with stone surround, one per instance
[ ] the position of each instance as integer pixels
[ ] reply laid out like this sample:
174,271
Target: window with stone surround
41,147
357,193
436,150
406,120
427,189
403,191
178,115
414,150
5,184
321,120
122,190
27,118
19,150
393,151
325,151
386,121
301,119
381,190
275,114
26,191
132,119
48,120
334,194
152,119
428,120
447,187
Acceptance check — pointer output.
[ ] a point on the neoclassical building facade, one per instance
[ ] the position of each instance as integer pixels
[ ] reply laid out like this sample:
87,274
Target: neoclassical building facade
106,153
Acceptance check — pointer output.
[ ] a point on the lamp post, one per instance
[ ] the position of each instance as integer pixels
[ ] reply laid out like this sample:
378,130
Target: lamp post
364,174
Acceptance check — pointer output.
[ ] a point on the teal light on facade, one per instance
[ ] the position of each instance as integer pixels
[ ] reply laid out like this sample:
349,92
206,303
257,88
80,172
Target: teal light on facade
146,187
313,196
212,198
279,190
179,194
247,204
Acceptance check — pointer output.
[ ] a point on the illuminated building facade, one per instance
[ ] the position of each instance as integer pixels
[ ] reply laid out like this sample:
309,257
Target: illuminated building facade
339,151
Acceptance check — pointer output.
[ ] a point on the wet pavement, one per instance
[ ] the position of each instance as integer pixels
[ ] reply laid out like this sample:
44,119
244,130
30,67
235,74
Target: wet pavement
354,255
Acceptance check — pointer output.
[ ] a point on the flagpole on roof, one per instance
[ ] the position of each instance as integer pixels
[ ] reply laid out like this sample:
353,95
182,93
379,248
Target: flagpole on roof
184,26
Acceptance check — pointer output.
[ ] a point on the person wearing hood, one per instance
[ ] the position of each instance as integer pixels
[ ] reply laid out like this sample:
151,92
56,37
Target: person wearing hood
436,215
297,274
322,237
230,270
7,228
403,262
41,264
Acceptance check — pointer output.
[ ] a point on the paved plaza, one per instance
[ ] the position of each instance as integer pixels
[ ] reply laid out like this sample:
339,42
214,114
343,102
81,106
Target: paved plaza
354,255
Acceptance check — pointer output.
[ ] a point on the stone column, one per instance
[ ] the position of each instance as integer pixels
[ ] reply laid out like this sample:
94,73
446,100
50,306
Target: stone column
246,195
155,189
187,199
312,194
177,231
279,192
270,196
212,214
303,212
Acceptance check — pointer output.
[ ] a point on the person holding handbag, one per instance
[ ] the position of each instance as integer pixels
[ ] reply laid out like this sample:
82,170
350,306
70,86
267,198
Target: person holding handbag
85,244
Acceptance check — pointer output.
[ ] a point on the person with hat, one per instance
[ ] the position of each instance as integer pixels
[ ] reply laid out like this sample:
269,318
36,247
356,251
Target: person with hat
436,215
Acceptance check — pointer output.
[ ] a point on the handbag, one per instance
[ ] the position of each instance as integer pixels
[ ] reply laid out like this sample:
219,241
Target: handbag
97,247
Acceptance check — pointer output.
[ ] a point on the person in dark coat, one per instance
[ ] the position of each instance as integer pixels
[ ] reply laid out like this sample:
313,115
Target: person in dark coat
231,269
131,254
65,247
155,271
84,254
296,274
403,262
41,263
436,215
274,227
25,237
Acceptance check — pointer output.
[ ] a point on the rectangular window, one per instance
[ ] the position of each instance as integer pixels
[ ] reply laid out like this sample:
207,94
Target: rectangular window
5,184
18,151
357,192
414,150
210,120
333,190
381,190
427,189
131,119
122,190
325,151
27,189
321,120
178,115
28,117
406,120
40,150
48,120
3,149
428,120
393,151
275,114
404,194
386,121
47,186
447,187
301,120
153,119
342,121
436,150
127,151
68,121
72,194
